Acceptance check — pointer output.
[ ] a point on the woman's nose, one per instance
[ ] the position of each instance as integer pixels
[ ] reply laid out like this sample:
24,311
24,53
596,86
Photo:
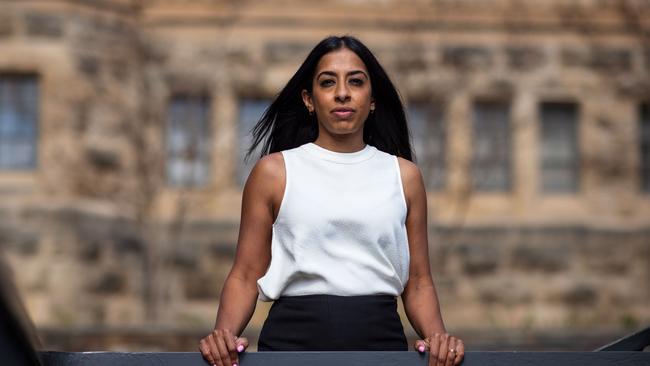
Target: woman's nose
342,92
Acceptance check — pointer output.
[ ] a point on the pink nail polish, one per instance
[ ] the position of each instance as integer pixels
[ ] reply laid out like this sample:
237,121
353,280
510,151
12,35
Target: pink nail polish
234,364
421,348
240,348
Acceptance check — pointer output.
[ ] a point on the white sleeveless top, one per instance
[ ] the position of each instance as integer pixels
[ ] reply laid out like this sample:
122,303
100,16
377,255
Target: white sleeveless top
341,226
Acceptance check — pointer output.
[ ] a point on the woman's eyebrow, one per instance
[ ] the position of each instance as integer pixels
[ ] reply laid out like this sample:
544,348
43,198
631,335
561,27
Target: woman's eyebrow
332,73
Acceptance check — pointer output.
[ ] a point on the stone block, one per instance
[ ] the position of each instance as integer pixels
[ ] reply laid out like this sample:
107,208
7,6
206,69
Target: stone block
240,56
6,26
108,283
103,159
201,286
119,70
185,259
545,257
611,59
604,59
478,258
89,251
44,25
88,65
222,249
525,58
467,58
580,295
286,51
410,58
128,244
572,57
22,243
504,291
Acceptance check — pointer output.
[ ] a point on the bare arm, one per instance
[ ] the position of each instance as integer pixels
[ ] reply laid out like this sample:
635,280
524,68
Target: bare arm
419,296
260,202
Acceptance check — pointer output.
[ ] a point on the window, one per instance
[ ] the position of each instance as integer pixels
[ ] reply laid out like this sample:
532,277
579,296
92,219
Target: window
188,141
559,158
18,122
491,147
250,112
645,147
429,142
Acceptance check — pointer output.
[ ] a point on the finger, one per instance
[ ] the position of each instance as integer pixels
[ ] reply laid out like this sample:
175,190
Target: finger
451,352
242,344
434,347
443,350
205,352
460,346
223,350
420,346
229,339
215,351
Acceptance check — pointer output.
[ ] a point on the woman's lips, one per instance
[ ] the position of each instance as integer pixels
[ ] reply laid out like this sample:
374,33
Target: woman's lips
343,113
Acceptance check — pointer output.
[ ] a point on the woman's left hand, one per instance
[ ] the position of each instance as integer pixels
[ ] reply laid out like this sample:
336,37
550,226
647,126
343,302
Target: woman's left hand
444,349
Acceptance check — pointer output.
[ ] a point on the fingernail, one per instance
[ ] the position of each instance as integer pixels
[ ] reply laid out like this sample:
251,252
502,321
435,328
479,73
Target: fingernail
240,348
234,364
421,348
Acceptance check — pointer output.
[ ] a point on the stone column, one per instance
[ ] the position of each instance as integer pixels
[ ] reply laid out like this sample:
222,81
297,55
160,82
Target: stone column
525,150
459,154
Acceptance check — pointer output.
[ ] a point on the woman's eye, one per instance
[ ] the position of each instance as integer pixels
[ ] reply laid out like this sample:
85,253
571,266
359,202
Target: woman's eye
356,81
327,82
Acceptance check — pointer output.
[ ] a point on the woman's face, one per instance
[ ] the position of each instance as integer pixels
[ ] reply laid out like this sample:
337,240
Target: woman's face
341,93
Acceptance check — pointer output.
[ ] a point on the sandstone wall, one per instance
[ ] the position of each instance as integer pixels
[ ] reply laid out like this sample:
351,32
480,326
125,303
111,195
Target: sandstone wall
96,238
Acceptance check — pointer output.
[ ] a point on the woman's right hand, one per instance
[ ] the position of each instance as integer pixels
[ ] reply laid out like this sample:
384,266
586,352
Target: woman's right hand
222,348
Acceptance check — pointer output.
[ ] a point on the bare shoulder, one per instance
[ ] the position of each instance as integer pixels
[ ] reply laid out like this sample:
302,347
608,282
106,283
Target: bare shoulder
409,172
411,179
271,165
268,173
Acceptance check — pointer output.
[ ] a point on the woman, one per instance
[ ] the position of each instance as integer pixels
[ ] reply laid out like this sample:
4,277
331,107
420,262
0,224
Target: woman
334,221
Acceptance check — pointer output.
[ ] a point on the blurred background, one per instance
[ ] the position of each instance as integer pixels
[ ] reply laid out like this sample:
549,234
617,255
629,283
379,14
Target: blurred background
123,125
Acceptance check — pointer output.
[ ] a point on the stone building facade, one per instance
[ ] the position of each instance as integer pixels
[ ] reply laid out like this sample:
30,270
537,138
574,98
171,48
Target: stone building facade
122,125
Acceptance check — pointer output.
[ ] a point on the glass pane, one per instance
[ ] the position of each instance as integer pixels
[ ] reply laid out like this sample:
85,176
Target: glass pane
645,147
18,121
559,147
491,147
250,112
188,141
429,141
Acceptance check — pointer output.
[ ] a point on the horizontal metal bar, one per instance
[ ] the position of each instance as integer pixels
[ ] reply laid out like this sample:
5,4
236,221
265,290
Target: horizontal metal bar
634,342
347,358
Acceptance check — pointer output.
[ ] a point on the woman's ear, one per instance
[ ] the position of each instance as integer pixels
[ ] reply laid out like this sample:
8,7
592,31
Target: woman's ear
306,98
372,104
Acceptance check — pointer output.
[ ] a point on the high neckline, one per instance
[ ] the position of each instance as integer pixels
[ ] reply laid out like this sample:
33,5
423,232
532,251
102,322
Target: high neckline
341,157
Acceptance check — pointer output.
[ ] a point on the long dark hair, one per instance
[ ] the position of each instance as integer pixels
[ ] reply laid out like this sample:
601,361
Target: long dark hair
287,124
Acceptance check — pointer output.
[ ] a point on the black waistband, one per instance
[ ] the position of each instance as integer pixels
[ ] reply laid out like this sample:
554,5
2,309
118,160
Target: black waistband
338,298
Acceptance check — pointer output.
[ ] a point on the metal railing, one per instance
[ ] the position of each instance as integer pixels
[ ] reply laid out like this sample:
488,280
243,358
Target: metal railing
623,352
349,358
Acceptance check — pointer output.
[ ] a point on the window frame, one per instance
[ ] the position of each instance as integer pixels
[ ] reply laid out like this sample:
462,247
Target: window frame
506,164
573,166
34,131
435,167
204,152
243,170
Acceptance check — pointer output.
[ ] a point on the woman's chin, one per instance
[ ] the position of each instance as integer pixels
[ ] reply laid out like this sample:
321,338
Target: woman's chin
344,127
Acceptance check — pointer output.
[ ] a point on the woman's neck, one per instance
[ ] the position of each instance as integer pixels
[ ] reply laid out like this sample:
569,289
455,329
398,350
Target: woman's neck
341,143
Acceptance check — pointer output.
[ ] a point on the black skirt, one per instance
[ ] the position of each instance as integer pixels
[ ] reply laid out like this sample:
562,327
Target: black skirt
333,323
